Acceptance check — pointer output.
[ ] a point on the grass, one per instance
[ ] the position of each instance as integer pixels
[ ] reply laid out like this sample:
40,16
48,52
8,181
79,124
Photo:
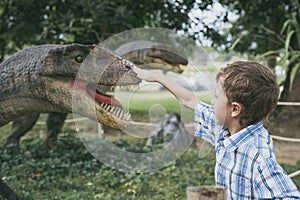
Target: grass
153,104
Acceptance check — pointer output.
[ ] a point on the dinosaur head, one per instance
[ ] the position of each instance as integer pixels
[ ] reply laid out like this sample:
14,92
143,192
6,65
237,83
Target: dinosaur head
51,78
81,72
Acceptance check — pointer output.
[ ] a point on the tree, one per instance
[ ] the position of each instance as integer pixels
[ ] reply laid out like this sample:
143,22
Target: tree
286,119
254,31
269,29
36,22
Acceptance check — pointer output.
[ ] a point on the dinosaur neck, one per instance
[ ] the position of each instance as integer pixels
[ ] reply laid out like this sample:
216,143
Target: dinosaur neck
18,84
14,107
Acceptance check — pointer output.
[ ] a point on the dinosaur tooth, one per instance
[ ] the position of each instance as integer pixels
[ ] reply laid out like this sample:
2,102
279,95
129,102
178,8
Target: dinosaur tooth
113,110
119,113
122,114
128,116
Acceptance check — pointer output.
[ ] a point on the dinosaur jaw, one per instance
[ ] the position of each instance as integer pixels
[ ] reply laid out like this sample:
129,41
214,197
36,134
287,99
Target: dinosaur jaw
108,110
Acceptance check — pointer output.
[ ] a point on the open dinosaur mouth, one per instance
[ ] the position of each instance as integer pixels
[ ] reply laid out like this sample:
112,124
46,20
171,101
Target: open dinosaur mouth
101,98
106,102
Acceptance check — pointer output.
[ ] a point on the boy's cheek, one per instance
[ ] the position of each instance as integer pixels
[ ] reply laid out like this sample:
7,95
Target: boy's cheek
219,121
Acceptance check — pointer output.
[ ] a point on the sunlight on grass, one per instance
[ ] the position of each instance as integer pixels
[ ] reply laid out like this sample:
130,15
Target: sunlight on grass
144,105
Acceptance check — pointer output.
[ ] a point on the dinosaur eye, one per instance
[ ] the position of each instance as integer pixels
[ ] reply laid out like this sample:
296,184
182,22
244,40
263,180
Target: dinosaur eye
79,59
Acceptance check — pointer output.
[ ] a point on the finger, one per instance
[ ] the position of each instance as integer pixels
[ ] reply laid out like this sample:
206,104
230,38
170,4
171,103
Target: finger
137,70
134,67
140,76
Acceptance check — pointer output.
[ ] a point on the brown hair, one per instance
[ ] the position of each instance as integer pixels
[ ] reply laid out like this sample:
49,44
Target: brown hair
254,86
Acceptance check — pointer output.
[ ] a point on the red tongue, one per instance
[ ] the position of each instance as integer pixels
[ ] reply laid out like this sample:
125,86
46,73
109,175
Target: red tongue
99,98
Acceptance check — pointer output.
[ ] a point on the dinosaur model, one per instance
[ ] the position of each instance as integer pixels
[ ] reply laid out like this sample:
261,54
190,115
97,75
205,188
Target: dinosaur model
41,79
146,54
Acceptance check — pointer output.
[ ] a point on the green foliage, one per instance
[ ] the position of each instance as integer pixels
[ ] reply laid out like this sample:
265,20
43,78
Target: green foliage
70,172
26,23
287,54
246,33
288,38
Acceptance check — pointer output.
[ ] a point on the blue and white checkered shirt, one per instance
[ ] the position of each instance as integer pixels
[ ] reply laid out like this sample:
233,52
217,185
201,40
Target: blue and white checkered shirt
246,164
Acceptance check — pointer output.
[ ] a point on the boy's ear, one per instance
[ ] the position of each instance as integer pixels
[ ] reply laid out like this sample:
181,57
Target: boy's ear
236,109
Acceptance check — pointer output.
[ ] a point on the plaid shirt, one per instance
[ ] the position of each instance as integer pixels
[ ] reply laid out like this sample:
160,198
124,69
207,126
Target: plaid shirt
246,164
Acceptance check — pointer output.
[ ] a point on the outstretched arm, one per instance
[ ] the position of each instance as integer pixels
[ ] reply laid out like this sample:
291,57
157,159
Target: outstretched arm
186,97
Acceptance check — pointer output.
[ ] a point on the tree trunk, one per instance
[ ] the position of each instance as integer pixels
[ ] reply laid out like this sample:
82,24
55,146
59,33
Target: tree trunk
272,40
286,122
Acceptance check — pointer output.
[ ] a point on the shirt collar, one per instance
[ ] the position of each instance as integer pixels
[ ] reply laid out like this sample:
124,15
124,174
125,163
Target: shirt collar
243,136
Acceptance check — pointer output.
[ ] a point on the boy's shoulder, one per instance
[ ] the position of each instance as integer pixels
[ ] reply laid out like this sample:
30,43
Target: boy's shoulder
263,145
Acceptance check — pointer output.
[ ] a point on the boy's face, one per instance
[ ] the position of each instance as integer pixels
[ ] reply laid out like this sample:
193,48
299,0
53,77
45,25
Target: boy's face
221,109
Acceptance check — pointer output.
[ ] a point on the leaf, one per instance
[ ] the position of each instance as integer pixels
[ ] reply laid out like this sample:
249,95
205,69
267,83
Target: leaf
298,7
285,26
236,42
279,38
293,73
294,56
297,29
270,53
288,40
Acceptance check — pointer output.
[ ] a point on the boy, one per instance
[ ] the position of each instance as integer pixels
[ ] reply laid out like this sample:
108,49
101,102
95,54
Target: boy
246,94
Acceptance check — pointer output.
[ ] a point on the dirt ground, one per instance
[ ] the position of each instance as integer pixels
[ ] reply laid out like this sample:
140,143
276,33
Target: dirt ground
287,152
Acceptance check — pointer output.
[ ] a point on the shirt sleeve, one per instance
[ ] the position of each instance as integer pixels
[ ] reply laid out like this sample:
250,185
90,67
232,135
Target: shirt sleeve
272,182
205,124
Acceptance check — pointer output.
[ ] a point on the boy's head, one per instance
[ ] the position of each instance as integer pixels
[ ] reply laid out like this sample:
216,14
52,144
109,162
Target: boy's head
253,86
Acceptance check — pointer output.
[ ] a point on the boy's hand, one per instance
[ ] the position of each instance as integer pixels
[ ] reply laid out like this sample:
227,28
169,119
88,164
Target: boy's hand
146,75
186,97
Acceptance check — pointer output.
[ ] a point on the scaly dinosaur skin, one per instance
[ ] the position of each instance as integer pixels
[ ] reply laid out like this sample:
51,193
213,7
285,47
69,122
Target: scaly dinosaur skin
148,55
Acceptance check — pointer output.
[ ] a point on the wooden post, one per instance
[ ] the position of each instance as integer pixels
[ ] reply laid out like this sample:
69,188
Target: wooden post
206,193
